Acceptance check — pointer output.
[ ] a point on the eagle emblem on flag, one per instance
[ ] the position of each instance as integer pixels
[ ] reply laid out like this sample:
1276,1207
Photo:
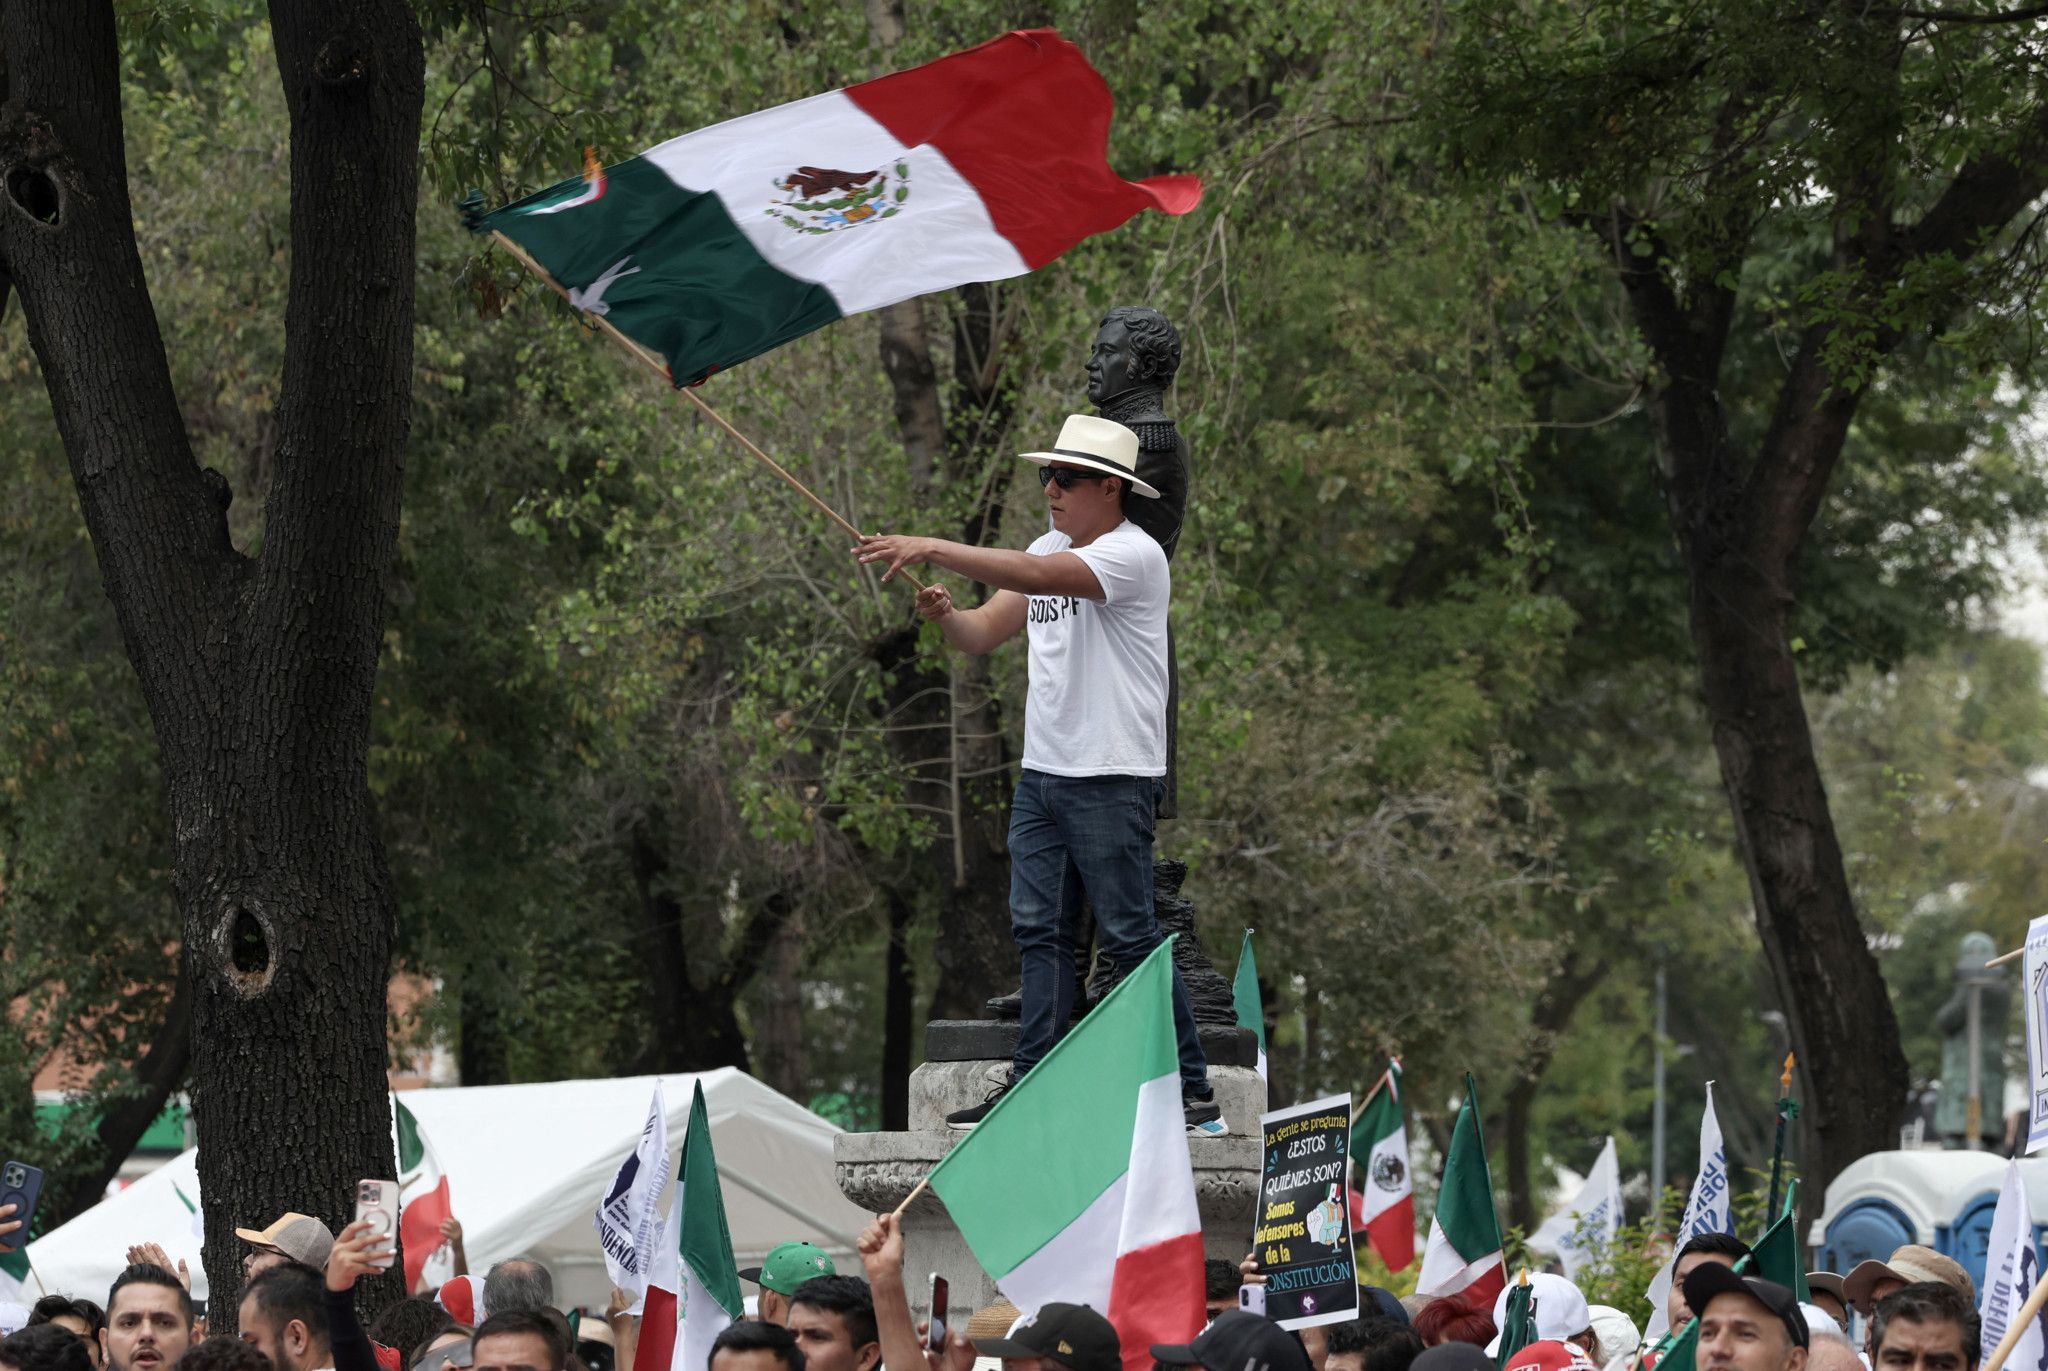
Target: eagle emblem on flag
826,200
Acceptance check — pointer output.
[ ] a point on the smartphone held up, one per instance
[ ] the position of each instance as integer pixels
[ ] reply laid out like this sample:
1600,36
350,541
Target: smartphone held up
377,1203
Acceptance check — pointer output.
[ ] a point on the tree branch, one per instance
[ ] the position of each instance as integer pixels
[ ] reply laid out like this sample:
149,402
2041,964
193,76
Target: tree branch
2019,16
68,240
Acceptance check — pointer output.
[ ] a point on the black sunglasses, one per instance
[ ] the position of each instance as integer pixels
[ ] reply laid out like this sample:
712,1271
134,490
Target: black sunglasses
1064,477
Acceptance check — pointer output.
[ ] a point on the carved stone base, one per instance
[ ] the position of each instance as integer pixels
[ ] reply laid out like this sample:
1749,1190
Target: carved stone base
876,1171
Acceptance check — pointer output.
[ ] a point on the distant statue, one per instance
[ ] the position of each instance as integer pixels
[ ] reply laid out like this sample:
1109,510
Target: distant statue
1988,985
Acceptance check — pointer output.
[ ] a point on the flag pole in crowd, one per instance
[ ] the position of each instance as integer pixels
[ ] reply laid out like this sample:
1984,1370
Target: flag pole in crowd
726,243
693,1287
1788,1109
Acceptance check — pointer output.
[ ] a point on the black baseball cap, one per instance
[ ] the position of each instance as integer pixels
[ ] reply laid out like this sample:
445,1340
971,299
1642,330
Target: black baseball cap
1239,1340
1709,1279
1073,1335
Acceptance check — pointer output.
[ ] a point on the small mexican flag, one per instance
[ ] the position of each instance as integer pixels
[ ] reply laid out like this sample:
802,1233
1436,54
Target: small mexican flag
423,1202
693,1287
1244,995
1096,1137
1464,1253
192,1208
15,1278
1379,1176
724,243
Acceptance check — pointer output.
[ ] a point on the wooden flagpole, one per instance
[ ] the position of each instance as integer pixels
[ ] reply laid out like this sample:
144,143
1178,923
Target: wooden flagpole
2029,1311
653,362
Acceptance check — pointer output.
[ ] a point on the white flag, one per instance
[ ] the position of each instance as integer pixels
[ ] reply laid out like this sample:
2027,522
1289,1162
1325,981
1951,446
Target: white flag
2036,983
1706,1211
2011,1269
628,1218
1584,1230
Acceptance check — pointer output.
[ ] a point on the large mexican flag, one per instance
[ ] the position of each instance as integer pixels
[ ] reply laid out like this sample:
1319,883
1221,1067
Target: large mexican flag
1095,1136
1463,1257
724,243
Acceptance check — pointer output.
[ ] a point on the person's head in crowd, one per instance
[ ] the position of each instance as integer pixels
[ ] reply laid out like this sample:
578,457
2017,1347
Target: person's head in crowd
44,1347
293,1238
1219,1286
1912,1264
520,1340
448,1350
1701,1249
284,1316
1824,1288
1819,1323
786,1266
409,1323
833,1318
595,1346
518,1283
1561,1314
149,1320
1059,1337
1372,1343
1614,1333
81,1317
1378,1301
1746,1324
1926,1326
755,1345
223,1353
1550,1354
1450,1319
1454,1356
1238,1341
1832,1352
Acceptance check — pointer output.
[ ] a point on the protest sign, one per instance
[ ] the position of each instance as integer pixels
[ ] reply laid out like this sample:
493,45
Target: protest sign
2037,1034
1303,1236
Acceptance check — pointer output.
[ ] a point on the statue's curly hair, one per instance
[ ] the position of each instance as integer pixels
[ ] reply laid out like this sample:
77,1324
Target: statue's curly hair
1155,344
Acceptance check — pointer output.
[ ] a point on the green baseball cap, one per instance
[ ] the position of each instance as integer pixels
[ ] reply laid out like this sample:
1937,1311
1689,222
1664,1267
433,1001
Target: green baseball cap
789,1265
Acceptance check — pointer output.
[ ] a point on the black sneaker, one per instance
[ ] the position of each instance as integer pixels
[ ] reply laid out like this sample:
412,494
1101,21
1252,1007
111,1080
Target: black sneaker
1203,1114
975,1113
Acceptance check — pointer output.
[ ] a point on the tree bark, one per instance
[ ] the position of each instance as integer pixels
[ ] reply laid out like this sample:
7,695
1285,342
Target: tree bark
1559,1000
258,672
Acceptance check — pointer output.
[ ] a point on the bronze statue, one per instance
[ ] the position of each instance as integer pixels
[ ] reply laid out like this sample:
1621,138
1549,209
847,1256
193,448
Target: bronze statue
1134,359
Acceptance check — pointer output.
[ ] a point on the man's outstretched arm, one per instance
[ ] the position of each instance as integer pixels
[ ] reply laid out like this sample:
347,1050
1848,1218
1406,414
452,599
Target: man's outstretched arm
978,630
1027,573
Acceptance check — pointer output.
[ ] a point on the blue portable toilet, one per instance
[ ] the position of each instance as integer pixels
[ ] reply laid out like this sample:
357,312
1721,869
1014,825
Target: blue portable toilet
1942,1200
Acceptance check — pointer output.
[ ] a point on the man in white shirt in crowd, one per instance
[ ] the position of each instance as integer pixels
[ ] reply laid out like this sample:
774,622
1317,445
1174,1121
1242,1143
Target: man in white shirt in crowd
1093,595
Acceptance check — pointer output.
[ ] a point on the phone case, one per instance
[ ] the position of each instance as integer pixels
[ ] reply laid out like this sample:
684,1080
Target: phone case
21,1185
377,1201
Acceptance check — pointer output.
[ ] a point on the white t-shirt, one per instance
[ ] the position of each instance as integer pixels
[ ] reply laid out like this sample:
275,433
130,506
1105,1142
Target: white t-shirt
1097,705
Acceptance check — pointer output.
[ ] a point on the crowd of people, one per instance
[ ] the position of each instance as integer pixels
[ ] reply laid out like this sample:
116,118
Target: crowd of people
1916,1311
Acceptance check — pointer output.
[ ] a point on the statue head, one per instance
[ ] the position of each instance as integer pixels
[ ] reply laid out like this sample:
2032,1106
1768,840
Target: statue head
1135,348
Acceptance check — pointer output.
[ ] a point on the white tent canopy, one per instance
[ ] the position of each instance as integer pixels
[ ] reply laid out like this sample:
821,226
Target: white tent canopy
526,1167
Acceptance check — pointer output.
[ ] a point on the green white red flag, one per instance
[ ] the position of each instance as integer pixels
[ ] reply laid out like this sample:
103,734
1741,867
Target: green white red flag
725,243
1463,1257
1245,998
1096,1136
693,1287
1383,1192
423,1201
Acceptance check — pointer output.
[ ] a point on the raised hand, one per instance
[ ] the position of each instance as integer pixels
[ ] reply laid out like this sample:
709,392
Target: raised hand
357,1253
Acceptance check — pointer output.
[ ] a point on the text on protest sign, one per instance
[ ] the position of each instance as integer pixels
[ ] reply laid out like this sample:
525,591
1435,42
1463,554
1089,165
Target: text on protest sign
1303,1234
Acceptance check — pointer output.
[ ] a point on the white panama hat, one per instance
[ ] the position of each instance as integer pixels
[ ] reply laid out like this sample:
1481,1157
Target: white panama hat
1099,445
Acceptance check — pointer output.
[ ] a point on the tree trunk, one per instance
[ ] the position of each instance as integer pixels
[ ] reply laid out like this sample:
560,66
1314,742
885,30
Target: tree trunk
1551,1015
258,672
1842,1020
898,1017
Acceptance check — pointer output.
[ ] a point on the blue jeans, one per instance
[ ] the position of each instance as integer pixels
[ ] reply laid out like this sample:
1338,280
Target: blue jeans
1092,835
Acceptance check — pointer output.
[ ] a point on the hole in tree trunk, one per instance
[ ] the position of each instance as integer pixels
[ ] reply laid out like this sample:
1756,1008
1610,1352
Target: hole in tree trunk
34,192
246,942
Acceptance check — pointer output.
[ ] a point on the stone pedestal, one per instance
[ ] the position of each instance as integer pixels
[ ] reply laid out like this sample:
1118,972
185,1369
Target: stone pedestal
963,1060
